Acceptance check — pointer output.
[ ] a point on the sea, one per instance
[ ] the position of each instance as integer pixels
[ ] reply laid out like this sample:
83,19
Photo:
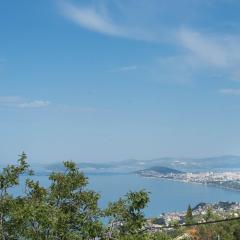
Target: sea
165,195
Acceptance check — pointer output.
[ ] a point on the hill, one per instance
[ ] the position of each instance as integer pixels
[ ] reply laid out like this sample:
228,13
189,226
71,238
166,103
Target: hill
220,163
159,170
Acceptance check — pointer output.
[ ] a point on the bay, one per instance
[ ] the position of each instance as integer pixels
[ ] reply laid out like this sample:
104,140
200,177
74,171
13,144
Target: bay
165,195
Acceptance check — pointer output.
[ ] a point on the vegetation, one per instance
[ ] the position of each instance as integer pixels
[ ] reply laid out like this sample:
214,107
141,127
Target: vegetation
68,210
189,215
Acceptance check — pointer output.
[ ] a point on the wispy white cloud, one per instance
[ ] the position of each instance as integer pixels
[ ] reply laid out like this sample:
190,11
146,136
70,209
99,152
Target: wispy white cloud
197,51
206,49
18,102
124,69
219,53
99,19
34,104
230,91
91,19
15,102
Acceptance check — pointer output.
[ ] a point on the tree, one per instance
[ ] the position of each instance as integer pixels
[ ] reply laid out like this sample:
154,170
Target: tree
126,215
65,210
236,232
189,216
77,212
9,178
209,214
34,215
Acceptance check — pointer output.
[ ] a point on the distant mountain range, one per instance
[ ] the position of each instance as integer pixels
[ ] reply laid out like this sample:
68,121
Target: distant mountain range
221,163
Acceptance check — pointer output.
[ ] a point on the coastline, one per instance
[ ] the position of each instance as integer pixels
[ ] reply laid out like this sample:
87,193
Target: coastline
215,185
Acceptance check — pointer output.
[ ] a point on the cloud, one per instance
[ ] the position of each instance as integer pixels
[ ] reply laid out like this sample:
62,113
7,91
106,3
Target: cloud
18,102
91,19
196,51
125,69
219,53
34,104
230,91
147,20
15,102
206,49
98,19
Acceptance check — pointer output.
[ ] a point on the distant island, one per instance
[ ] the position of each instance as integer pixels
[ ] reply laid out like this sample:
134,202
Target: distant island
225,170
160,170
219,163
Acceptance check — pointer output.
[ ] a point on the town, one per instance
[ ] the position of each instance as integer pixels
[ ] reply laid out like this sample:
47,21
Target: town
201,213
229,179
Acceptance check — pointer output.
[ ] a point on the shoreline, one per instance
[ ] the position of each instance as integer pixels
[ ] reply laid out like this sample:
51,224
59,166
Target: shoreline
191,182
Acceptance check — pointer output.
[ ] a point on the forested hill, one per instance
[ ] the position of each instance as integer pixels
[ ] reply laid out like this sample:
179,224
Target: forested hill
160,169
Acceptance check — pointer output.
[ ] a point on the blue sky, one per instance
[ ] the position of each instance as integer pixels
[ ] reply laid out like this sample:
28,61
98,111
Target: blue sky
112,80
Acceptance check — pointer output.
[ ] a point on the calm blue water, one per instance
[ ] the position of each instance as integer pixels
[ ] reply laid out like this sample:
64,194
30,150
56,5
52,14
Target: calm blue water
166,196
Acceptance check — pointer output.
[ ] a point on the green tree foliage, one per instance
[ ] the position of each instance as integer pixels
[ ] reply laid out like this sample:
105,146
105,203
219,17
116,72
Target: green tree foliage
9,178
66,210
78,215
189,216
209,215
126,215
